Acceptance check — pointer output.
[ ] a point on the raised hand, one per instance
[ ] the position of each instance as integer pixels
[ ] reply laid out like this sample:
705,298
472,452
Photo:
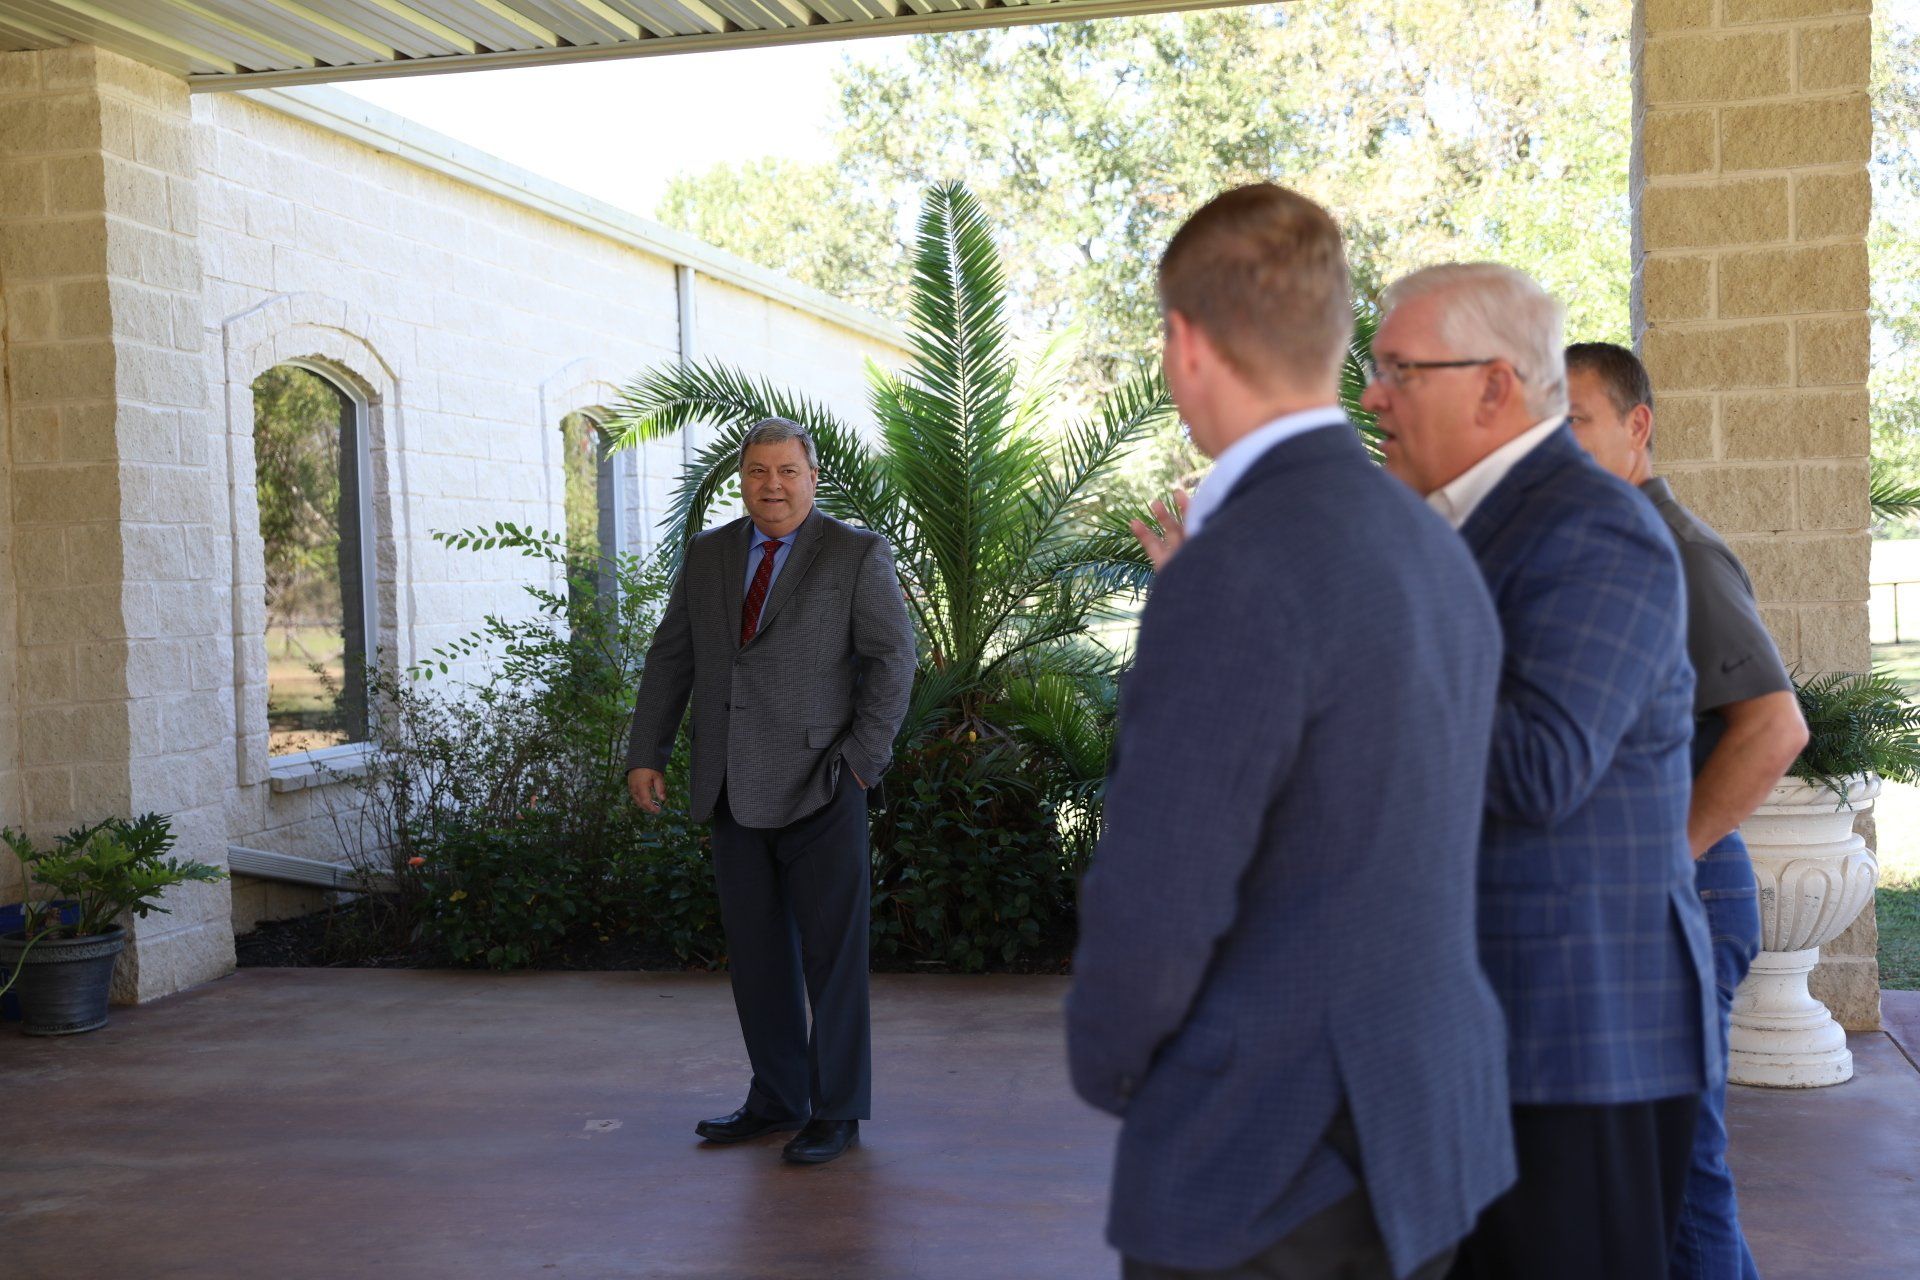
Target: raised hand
1163,535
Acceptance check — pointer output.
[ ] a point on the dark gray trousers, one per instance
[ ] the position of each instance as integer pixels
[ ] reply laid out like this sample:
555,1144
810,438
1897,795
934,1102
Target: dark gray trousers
1341,1242
795,902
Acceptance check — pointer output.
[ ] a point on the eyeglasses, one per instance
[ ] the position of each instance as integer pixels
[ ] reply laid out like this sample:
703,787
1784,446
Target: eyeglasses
1393,373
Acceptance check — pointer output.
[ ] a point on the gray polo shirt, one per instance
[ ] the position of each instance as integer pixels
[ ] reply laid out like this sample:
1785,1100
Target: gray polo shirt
1733,655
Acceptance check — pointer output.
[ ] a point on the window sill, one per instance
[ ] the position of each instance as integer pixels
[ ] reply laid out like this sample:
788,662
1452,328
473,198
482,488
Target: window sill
318,768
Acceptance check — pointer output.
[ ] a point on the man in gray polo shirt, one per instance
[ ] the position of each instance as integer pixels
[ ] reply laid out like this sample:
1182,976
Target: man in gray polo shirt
1747,730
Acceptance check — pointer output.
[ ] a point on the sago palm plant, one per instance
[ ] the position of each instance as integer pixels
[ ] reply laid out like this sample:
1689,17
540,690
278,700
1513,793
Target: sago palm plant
985,499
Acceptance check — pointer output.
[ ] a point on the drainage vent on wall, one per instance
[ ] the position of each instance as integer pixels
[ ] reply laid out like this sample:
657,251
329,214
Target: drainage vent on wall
286,868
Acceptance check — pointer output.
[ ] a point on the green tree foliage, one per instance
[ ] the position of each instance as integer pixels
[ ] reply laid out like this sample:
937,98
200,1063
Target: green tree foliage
1433,128
1894,245
805,220
296,449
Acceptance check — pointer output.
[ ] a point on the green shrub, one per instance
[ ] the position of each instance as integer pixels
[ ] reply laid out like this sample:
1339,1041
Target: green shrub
672,878
502,897
496,808
968,866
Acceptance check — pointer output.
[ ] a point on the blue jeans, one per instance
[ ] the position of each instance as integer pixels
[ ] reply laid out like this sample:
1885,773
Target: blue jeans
1709,1245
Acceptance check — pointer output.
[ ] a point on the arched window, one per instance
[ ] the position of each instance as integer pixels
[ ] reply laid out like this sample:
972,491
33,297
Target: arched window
311,467
592,503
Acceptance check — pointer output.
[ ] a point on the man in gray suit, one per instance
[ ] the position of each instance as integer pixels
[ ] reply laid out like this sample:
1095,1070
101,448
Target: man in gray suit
795,622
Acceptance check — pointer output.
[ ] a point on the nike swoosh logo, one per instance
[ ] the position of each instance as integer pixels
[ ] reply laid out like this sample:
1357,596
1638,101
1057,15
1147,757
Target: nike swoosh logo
1728,668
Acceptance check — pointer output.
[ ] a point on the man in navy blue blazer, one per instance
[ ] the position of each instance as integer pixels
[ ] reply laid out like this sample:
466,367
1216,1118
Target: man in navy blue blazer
1590,929
1276,986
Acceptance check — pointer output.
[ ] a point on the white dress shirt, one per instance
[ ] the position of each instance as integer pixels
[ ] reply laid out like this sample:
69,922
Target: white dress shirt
1456,499
1239,457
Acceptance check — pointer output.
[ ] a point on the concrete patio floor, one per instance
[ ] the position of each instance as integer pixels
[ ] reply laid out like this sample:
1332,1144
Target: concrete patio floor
323,1123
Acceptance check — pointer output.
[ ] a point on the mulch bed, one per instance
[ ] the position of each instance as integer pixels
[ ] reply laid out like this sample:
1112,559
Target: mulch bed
341,938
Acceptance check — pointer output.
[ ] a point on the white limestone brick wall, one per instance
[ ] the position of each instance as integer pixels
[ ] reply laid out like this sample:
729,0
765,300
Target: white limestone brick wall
118,702
469,324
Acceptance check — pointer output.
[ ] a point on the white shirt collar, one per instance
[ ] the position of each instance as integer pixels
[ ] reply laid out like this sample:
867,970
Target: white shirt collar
1456,499
1238,458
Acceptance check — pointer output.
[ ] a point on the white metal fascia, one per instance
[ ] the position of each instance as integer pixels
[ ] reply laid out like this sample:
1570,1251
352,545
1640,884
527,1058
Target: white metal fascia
342,113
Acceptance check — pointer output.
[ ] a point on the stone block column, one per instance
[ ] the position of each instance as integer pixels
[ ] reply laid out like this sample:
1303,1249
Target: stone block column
112,518
1751,139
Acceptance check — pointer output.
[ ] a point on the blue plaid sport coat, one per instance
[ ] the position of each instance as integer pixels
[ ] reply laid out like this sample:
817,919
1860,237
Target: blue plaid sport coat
1590,928
1278,922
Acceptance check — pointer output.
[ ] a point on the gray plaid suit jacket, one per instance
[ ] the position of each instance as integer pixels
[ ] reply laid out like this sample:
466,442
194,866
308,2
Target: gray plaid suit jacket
823,683
1590,927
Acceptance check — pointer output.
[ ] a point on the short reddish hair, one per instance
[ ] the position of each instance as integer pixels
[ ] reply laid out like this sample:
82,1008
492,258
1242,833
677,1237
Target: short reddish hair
1262,272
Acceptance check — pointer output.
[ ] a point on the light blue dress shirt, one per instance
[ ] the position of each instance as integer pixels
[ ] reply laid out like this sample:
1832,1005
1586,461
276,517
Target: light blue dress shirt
1238,458
754,553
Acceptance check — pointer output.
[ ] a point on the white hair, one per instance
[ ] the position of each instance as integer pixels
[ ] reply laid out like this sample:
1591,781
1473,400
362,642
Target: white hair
1490,310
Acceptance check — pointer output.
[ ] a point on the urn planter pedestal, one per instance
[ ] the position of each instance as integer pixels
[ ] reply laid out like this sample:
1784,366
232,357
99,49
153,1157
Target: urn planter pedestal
1814,876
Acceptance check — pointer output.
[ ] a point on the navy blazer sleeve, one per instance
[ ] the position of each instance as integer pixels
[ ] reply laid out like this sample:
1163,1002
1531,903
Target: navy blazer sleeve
1210,718
1592,621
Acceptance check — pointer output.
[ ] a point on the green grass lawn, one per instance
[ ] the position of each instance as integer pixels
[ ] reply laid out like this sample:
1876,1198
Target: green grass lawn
1897,819
301,701
1897,899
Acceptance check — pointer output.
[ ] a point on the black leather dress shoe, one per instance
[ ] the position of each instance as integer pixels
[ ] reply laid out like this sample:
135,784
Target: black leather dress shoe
821,1141
741,1126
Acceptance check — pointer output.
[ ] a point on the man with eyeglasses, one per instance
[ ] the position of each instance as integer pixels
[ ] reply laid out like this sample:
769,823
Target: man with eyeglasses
1590,929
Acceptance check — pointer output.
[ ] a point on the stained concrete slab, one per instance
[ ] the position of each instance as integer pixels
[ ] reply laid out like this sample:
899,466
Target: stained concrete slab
324,1123
1900,1015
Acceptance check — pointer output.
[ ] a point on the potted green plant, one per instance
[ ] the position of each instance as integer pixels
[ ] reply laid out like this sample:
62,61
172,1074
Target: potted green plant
99,873
1815,874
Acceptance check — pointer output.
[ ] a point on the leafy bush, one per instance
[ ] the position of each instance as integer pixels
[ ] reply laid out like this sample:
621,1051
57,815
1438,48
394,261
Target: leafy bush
671,872
503,896
496,809
1857,724
968,867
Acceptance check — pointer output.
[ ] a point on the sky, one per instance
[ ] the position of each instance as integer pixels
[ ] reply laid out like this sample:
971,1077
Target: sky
619,130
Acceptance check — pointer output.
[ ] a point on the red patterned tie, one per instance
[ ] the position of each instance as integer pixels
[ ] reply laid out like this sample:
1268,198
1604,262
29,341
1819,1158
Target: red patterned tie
757,593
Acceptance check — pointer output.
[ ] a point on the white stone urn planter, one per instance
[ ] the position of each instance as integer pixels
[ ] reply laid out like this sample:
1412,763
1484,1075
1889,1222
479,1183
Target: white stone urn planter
1814,875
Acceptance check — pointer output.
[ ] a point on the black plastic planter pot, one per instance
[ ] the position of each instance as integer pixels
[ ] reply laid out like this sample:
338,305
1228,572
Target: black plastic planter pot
63,988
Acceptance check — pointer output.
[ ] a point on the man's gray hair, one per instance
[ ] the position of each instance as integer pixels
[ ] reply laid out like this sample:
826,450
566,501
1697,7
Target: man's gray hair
777,431
1491,310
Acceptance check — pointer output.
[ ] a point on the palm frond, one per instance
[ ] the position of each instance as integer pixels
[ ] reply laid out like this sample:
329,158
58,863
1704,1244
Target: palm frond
1353,375
1890,497
1044,381
1073,724
1857,724
674,397
952,450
